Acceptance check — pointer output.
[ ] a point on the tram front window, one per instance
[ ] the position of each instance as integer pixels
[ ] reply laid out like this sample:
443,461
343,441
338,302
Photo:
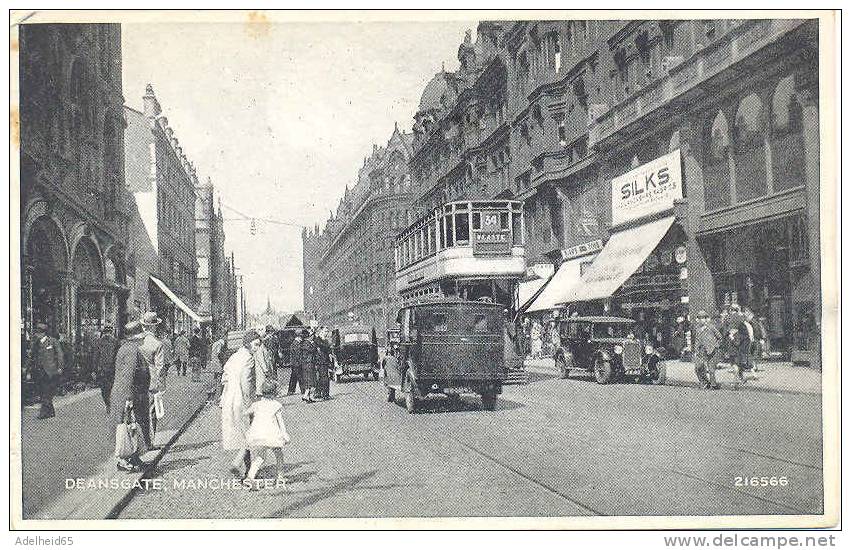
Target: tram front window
516,229
462,228
450,232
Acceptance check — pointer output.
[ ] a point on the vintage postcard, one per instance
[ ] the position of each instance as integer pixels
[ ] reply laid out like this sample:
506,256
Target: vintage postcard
424,269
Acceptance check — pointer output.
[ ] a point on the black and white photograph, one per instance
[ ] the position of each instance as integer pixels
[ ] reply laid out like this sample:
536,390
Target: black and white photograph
430,269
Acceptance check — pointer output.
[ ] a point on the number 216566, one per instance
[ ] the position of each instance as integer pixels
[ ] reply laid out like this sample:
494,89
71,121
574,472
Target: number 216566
761,481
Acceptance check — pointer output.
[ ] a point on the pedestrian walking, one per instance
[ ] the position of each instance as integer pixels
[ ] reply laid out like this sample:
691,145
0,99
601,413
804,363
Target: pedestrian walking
168,353
270,345
153,355
322,356
707,351
238,394
196,353
537,342
104,362
756,334
308,366
262,365
129,392
47,361
181,351
216,368
740,336
267,432
295,366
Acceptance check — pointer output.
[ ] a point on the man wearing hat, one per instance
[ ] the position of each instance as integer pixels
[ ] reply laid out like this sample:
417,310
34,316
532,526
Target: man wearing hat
104,361
239,392
153,355
706,351
130,391
46,362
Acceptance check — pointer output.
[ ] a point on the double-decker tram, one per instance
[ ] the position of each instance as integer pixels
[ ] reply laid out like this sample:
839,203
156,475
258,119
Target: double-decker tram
471,250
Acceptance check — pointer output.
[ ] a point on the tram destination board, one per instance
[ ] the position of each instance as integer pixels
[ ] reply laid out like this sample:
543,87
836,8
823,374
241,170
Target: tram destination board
491,243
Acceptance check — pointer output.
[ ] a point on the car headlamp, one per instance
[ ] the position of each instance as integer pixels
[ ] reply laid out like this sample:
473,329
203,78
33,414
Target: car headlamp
648,349
618,349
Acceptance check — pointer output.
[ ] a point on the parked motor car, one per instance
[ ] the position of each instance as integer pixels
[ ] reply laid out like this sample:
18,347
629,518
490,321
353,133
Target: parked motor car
608,348
447,348
355,352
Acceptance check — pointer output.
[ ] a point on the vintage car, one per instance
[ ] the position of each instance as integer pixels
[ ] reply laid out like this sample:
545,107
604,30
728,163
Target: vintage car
355,352
447,348
607,347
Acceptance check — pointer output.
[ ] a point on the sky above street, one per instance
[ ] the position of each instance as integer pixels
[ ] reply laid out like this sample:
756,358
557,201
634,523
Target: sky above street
280,117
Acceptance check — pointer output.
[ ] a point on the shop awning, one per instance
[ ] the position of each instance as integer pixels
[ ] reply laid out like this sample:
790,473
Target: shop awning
559,285
180,303
623,254
528,290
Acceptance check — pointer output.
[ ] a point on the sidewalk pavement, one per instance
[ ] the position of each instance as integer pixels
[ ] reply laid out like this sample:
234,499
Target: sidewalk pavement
780,377
60,486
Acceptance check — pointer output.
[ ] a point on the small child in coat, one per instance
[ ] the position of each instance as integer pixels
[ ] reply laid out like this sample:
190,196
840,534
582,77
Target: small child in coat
267,431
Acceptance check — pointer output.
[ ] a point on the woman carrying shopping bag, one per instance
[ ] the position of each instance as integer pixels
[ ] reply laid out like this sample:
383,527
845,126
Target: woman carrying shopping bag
129,398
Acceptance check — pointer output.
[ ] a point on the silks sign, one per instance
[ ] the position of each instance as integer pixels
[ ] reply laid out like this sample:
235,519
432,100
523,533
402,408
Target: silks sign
649,189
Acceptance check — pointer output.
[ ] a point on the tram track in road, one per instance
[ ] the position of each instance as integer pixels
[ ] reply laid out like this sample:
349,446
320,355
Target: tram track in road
729,488
698,446
434,436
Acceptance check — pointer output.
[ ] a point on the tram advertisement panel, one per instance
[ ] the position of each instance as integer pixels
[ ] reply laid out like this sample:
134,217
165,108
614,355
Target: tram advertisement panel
492,238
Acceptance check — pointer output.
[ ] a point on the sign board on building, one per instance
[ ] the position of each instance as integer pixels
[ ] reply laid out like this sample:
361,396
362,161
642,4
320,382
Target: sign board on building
649,189
491,243
582,249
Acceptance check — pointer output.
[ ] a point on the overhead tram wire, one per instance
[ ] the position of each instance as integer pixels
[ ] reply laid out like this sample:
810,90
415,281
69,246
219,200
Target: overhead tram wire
246,217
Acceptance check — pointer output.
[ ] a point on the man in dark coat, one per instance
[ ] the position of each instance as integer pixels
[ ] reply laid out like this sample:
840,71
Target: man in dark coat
322,358
46,364
104,362
196,353
707,351
130,389
308,366
295,364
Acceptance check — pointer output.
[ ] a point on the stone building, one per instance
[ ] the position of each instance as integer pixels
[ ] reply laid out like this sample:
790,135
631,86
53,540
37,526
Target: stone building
559,113
349,265
733,104
461,129
73,220
162,183
212,280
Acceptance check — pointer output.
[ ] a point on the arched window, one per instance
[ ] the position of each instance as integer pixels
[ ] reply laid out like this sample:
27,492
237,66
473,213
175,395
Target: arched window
750,150
787,140
716,174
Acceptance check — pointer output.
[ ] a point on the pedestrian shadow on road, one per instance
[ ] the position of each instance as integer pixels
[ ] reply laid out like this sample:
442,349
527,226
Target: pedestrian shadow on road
345,484
192,446
176,464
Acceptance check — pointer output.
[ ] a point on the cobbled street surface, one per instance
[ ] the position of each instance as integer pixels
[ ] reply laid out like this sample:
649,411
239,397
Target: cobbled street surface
552,448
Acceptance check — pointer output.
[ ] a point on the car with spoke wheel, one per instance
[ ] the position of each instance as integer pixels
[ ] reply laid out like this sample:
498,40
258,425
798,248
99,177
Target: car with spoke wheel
447,348
607,348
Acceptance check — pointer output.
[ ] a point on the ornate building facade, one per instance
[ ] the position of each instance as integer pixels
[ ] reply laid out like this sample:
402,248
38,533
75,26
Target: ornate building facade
348,265
73,220
162,183
216,291
554,112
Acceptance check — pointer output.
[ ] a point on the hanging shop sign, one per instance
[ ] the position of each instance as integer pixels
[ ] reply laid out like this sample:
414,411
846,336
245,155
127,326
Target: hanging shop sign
582,249
649,189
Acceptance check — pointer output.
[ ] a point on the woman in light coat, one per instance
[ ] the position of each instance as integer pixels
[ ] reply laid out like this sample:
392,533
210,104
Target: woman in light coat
239,389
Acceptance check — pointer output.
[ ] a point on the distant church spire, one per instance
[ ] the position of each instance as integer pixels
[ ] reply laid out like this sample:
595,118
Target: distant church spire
268,306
